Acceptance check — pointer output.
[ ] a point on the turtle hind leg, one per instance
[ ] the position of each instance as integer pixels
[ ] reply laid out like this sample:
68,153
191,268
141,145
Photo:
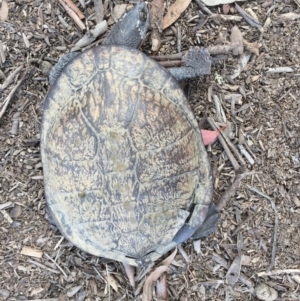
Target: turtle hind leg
210,223
208,226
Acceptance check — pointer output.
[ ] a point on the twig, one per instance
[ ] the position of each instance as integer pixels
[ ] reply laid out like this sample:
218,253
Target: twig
6,205
233,148
275,224
230,156
112,14
51,299
56,265
240,225
108,284
217,49
99,10
2,54
43,266
252,22
10,95
276,272
231,190
179,39
246,154
176,56
75,8
168,64
203,7
10,78
72,14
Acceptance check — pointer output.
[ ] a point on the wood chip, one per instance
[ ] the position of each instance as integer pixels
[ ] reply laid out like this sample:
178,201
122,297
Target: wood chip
72,291
4,11
28,251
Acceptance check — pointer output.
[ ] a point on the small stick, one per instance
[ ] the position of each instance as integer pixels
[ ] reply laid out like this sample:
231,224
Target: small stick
56,265
213,50
237,229
275,225
43,266
112,12
175,56
231,190
2,53
74,8
246,154
10,78
168,64
179,39
252,22
233,148
51,299
203,7
218,49
99,10
276,272
6,205
233,161
10,95
72,14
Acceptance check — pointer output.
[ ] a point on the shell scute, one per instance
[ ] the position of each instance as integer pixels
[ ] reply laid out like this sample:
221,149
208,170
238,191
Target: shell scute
81,69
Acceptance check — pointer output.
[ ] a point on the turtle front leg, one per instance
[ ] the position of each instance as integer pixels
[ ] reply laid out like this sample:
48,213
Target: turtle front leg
196,62
60,65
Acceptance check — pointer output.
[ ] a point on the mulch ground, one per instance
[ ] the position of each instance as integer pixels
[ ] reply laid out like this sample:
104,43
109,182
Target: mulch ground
36,262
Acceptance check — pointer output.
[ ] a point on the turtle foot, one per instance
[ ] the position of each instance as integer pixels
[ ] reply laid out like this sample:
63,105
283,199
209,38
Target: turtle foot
196,62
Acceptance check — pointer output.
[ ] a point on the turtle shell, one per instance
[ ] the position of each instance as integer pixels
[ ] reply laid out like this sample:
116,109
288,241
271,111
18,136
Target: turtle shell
123,159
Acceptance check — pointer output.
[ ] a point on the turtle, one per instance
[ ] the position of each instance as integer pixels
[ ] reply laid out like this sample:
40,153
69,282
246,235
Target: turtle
126,173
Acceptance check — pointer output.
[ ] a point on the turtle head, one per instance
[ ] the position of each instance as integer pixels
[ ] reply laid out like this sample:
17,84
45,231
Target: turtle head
131,28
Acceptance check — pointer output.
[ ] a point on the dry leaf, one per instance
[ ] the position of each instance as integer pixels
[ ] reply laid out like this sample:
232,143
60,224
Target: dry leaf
169,259
236,38
210,137
226,9
161,288
129,270
73,290
147,296
28,251
246,260
112,282
233,272
3,11
174,12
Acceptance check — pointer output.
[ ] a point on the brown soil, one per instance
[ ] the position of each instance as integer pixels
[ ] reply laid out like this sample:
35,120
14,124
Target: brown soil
268,120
